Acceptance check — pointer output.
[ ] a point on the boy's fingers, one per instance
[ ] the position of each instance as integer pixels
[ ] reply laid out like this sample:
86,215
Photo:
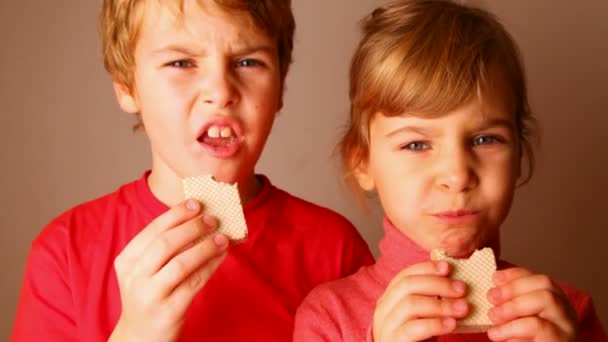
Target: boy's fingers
181,266
184,293
171,218
169,243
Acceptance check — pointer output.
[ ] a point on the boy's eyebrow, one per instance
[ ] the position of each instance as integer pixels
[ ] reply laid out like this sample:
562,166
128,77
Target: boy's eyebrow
245,50
177,48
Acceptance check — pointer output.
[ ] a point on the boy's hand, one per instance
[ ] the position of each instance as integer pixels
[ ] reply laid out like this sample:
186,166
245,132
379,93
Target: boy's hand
161,270
419,303
529,307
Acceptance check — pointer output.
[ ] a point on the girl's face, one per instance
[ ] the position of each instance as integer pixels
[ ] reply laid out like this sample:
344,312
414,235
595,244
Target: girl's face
445,181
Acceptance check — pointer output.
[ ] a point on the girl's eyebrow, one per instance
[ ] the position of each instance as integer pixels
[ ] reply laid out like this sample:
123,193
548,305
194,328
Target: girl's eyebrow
408,128
498,122
485,124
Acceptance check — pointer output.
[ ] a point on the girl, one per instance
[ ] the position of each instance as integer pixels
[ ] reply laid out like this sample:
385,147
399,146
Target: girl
439,128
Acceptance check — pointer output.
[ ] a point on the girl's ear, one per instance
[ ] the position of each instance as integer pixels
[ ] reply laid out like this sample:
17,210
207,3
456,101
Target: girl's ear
364,177
125,99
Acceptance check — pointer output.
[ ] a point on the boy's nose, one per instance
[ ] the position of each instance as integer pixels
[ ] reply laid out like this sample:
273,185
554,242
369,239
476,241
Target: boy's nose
456,172
219,90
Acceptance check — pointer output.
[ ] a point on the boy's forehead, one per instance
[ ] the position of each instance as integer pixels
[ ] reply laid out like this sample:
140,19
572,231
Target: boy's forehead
167,23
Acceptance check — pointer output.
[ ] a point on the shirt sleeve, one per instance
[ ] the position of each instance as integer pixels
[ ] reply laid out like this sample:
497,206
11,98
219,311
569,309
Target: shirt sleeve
313,323
45,311
590,328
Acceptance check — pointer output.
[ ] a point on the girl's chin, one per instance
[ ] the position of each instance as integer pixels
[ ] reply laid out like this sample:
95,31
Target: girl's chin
461,248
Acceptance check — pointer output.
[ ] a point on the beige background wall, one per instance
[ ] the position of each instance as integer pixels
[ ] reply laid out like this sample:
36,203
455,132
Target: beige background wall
63,139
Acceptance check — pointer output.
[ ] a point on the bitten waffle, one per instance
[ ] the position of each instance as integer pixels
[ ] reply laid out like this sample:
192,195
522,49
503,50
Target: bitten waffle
477,273
220,200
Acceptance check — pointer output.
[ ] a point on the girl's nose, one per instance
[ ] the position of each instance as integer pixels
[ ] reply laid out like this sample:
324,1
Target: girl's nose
455,172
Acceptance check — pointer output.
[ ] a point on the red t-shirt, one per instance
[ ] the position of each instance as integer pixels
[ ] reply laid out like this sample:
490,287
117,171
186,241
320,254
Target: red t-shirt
70,291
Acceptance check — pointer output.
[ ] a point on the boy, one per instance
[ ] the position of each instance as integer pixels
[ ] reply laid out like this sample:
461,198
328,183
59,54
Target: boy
205,79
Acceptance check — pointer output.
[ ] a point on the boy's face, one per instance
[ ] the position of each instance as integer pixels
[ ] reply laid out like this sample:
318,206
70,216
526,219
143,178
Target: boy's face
208,86
446,182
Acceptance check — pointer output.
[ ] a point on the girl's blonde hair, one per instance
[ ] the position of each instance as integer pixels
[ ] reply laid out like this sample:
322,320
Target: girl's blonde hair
429,56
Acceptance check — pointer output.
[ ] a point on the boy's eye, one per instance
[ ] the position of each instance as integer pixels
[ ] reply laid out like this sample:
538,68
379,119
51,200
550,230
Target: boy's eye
485,140
248,62
416,146
181,64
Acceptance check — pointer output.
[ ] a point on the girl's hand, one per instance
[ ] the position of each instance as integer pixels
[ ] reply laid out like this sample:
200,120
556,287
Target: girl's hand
161,270
419,303
529,307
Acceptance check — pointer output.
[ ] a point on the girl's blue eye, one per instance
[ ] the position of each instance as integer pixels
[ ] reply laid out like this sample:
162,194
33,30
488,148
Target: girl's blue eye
485,140
416,146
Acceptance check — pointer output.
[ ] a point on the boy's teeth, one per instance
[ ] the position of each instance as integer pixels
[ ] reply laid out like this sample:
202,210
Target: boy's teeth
226,132
213,132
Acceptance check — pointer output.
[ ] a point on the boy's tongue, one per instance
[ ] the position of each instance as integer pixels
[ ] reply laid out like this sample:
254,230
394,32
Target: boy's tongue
217,141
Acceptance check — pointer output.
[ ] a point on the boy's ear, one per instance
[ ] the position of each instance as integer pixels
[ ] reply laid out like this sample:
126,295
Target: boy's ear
363,177
125,99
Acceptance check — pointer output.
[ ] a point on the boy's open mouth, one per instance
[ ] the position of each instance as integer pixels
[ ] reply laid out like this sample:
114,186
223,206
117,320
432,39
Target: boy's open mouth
220,140
218,136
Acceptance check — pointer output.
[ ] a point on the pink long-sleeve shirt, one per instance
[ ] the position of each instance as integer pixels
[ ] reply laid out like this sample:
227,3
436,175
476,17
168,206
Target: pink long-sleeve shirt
342,310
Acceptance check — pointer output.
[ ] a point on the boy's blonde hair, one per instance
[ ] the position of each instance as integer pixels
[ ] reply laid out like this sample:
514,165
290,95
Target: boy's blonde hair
429,56
120,21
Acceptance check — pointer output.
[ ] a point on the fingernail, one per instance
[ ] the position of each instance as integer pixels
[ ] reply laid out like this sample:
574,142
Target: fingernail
210,221
192,205
494,314
442,267
459,286
499,278
494,333
494,295
449,323
460,305
220,240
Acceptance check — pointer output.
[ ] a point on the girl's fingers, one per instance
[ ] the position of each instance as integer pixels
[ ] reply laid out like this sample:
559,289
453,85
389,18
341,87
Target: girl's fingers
421,285
521,285
415,307
424,328
177,270
439,268
507,275
527,328
544,304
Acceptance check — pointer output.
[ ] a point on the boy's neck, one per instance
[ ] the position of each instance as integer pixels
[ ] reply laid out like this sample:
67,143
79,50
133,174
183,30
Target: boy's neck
167,188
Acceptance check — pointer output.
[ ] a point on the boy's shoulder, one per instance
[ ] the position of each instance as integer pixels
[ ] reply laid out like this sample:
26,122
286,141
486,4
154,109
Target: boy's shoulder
294,208
87,219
